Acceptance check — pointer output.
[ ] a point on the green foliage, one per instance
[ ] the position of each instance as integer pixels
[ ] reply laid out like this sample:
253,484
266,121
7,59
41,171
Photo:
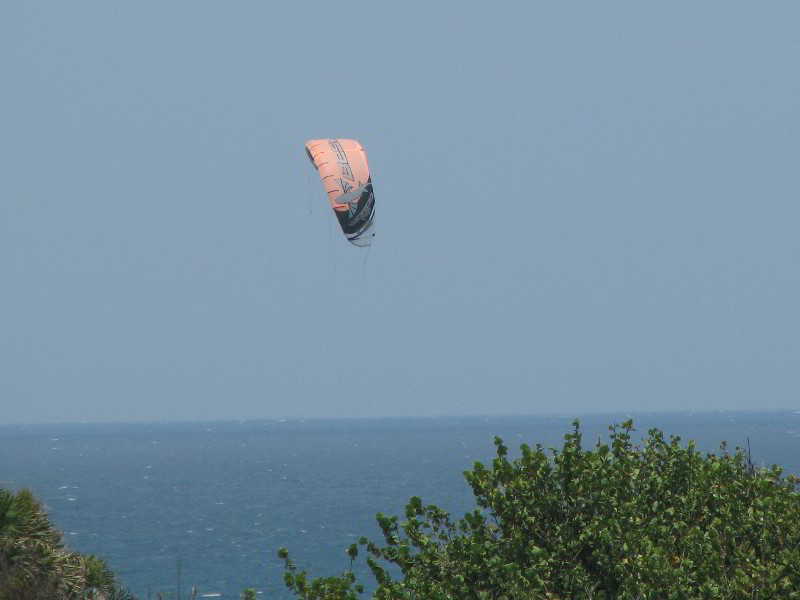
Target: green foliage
249,594
616,521
341,587
34,565
101,581
33,561
98,575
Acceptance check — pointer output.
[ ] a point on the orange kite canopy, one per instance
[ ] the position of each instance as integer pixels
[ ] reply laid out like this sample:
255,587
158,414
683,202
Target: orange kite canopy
343,168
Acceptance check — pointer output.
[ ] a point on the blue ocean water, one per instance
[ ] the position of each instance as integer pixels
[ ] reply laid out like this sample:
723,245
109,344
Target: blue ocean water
207,504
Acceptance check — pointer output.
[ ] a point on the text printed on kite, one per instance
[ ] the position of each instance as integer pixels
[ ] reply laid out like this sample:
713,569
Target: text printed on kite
342,166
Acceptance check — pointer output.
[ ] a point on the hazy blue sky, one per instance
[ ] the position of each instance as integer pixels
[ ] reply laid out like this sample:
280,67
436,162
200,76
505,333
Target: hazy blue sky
580,207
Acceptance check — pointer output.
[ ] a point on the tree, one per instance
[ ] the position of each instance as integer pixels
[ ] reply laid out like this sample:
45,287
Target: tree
35,565
658,520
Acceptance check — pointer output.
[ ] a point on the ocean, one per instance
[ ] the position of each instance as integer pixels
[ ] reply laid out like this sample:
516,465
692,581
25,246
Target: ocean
173,506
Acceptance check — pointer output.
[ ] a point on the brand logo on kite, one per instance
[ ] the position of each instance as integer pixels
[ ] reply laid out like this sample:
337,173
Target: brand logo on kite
341,158
346,187
359,202
366,211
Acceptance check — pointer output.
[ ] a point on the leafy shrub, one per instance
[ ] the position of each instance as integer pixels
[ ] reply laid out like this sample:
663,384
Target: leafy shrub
617,521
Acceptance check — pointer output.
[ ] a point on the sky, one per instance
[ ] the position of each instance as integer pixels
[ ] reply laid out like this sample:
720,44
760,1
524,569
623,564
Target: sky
580,207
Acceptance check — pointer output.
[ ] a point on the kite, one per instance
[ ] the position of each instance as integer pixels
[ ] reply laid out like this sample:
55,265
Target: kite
343,168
